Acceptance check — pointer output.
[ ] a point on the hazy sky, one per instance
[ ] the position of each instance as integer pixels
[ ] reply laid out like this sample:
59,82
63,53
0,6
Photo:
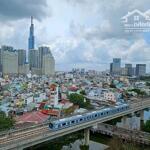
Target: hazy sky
81,33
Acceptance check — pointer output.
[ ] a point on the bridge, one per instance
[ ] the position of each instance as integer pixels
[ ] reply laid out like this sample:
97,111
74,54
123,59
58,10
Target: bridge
125,134
23,138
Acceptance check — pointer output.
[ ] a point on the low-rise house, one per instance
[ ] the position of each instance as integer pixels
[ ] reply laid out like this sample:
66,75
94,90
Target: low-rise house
112,96
140,84
32,117
66,104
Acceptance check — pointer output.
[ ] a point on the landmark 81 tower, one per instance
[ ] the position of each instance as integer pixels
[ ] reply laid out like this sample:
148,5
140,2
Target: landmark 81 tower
31,36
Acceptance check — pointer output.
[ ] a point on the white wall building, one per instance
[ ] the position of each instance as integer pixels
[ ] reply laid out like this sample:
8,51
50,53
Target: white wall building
54,95
48,67
24,69
110,96
9,62
29,100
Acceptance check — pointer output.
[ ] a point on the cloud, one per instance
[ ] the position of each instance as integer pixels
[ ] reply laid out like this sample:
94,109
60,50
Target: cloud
139,52
81,33
15,20
101,36
19,9
107,14
98,54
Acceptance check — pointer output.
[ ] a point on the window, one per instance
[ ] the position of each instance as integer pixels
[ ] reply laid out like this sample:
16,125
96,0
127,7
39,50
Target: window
81,119
72,121
136,18
101,113
95,115
63,124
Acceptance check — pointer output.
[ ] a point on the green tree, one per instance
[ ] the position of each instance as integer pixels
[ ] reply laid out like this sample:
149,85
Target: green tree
112,85
82,92
138,91
146,126
78,99
5,122
84,147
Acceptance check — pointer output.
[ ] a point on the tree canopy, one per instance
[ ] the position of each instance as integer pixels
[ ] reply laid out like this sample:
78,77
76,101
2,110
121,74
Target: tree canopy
146,126
138,91
147,83
82,92
78,99
5,122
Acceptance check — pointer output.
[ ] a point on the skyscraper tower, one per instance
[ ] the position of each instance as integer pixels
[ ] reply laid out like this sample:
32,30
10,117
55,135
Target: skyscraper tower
31,35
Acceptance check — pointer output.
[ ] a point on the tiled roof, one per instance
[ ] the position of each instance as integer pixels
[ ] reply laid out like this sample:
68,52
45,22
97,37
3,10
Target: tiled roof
36,117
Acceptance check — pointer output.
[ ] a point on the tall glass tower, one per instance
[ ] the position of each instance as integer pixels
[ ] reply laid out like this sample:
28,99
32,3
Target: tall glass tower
31,36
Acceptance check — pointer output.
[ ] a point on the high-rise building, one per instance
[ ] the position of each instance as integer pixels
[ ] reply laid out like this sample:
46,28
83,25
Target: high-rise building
115,67
111,68
23,67
9,60
46,61
43,50
21,57
7,48
134,71
41,61
31,36
33,58
128,68
123,71
140,69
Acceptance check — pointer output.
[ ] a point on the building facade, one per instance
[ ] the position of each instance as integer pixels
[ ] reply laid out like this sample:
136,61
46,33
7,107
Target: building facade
21,57
140,69
41,61
31,36
46,61
9,61
128,68
33,58
115,67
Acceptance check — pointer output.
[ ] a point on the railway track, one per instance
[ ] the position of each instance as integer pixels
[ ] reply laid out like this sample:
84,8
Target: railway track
10,138
17,136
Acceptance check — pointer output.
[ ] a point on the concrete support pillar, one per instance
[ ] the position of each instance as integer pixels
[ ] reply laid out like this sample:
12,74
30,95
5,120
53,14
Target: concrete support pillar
124,121
86,136
142,115
141,119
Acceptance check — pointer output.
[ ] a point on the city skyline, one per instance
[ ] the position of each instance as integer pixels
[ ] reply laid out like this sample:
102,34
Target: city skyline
74,74
84,40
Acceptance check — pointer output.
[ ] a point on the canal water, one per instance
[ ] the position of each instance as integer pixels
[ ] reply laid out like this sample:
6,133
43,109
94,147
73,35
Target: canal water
97,141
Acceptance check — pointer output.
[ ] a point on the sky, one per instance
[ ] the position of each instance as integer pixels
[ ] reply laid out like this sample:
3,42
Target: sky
81,33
